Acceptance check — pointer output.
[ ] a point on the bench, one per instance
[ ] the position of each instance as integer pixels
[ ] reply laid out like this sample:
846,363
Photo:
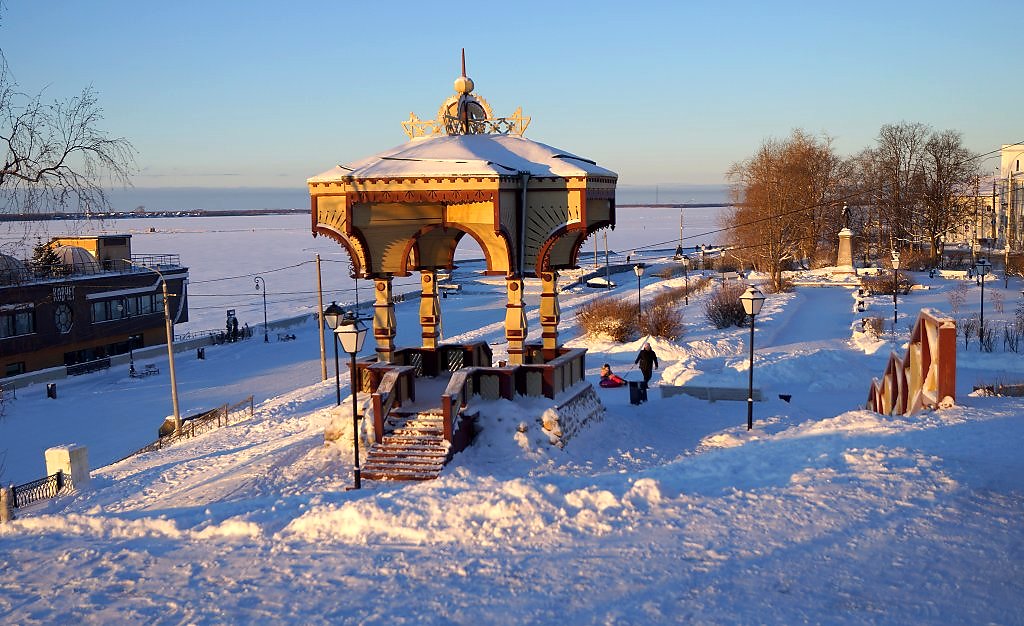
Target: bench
711,394
149,370
285,337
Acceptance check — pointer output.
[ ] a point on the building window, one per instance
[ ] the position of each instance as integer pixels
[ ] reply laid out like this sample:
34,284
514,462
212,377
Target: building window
114,309
13,369
63,318
17,323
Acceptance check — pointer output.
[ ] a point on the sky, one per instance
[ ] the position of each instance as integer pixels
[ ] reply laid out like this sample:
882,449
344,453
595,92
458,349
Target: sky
254,94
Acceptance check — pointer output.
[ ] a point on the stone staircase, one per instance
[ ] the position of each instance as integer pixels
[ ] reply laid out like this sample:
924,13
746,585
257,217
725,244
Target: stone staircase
413,448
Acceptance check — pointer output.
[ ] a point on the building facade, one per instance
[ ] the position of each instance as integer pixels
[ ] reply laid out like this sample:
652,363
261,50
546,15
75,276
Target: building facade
94,301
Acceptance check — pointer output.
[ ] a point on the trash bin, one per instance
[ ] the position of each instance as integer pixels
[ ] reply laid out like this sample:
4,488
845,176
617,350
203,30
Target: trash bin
637,392
201,353
51,390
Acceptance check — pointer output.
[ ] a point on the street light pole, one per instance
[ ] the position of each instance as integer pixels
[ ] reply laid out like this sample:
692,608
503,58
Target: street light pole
639,270
258,280
752,300
333,315
983,269
895,288
169,328
686,280
352,333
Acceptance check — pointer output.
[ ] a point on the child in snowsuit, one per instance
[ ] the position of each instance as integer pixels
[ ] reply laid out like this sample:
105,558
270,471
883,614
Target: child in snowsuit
608,379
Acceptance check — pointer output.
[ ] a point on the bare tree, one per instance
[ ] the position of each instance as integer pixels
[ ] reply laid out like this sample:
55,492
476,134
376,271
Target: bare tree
949,174
54,156
784,203
891,175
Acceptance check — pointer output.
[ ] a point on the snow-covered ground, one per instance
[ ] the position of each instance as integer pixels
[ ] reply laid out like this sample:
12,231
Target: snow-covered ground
668,512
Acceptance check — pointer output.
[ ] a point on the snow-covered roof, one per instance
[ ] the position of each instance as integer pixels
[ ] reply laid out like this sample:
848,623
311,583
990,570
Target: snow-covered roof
467,155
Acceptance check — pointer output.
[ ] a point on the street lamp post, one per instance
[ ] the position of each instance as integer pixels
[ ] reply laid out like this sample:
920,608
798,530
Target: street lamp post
332,315
639,270
686,280
983,266
352,333
895,288
169,328
258,280
752,300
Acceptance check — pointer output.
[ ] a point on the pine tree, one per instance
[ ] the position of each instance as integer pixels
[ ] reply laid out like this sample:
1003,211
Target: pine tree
45,263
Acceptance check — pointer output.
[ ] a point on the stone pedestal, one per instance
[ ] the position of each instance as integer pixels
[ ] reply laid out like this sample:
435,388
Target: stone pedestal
844,263
72,459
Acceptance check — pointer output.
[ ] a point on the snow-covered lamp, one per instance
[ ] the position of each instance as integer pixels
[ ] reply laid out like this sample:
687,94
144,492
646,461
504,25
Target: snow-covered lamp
352,333
752,300
333,314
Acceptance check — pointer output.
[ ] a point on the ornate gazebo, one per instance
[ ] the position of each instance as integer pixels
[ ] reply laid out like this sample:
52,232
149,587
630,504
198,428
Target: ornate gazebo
528,205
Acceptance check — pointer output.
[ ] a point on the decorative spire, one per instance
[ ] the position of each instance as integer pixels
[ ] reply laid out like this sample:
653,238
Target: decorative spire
464,84
465,113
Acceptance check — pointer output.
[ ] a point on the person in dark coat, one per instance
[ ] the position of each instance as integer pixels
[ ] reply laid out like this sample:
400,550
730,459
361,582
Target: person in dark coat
648,362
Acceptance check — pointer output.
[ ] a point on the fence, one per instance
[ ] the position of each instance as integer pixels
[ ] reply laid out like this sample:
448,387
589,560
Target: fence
926,376
42,489
89,367
198,424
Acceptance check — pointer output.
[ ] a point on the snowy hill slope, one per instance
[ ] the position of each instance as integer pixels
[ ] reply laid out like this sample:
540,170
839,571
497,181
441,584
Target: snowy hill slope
669,512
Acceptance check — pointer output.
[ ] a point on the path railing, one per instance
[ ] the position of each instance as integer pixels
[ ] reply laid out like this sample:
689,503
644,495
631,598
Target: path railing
199,424
41,489
925,378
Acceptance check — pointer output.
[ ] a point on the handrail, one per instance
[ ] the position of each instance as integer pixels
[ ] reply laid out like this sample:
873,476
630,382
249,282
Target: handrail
389,392
925,378
455,398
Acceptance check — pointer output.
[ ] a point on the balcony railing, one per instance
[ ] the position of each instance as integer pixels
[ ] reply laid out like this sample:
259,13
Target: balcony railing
29,272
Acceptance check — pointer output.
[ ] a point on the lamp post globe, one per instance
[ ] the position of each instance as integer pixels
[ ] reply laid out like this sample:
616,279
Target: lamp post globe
352,333
752,301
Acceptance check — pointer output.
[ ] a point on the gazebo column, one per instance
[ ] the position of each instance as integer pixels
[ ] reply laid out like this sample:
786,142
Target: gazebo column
515,320
384,319
550,314
430,310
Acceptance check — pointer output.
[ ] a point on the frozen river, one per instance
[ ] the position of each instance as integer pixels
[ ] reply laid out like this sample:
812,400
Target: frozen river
224,254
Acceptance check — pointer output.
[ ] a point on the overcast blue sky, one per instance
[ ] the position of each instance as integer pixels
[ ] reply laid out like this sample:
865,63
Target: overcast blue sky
227,94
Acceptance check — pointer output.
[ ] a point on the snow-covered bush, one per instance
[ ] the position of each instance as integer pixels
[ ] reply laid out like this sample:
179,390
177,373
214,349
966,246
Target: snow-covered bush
611,318
723,308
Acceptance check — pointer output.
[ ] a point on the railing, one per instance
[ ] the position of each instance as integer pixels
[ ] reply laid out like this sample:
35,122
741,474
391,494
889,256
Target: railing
552,378
42,489
397,386
216,335
455,398
88,367
926,377
30,272
197,425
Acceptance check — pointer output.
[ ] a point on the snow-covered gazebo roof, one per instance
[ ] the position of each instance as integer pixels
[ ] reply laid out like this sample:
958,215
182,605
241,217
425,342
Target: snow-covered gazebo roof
467,155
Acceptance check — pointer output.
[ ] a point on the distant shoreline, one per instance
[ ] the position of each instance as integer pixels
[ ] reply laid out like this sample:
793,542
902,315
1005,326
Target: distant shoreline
126,215
682,205
122,215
